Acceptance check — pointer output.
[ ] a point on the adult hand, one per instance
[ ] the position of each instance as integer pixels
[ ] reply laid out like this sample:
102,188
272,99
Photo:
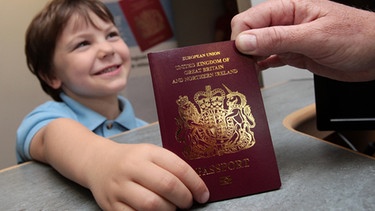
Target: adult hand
143,177
327,38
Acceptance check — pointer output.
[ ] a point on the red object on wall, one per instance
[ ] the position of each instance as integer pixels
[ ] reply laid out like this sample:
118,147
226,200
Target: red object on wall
147,21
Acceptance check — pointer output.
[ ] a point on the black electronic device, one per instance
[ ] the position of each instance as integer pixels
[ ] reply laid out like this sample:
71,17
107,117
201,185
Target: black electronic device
344,106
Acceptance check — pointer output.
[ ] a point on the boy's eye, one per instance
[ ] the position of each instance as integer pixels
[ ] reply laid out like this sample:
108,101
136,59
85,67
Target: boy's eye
82,44
113,35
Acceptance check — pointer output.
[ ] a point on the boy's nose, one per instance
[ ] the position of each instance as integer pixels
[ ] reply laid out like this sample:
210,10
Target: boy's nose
105,50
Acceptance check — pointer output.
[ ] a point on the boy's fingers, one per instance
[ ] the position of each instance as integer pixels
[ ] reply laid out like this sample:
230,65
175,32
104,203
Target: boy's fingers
184,173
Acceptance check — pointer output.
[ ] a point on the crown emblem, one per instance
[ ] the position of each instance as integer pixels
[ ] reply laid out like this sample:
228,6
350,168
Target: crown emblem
219,122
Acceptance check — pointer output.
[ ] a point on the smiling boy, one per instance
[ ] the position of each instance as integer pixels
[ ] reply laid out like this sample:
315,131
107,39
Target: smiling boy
74,49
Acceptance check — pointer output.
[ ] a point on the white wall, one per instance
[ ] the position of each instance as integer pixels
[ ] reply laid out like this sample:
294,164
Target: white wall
19,90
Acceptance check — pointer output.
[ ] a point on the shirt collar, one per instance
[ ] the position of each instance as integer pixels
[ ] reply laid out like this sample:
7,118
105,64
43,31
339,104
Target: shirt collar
92,119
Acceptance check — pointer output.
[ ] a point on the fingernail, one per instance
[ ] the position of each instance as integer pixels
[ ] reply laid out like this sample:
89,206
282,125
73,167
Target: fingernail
246,42
205,197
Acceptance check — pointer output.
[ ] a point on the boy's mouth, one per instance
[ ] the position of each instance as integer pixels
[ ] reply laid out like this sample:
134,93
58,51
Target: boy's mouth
108,70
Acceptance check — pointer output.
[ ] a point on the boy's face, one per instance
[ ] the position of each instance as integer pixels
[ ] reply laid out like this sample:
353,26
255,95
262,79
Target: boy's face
90,61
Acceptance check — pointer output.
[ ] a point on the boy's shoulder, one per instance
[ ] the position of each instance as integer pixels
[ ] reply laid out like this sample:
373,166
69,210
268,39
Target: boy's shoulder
52,108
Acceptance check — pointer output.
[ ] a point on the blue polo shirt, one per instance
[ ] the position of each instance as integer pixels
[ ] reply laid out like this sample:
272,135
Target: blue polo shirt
70,108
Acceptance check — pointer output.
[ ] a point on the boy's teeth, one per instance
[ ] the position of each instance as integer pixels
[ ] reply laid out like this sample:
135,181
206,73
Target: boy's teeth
108,70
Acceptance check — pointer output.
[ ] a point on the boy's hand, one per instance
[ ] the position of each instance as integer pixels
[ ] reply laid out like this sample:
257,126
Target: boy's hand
143,177
120,176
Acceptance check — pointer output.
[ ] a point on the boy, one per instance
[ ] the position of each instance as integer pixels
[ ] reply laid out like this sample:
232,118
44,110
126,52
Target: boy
74,49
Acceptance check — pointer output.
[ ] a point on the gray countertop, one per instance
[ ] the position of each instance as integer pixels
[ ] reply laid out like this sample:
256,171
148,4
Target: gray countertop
315,175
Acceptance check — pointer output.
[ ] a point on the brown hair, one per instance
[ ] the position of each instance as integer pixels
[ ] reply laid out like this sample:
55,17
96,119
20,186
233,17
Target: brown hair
45,30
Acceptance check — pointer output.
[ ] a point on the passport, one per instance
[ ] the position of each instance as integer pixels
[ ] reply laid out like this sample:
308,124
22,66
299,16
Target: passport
148,22
211,114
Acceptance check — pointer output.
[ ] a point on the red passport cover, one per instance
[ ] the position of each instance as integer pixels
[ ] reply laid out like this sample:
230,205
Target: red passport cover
148,22
211,114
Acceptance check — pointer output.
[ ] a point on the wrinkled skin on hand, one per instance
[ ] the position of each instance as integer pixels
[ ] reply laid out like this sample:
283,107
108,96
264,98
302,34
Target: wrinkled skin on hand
327,38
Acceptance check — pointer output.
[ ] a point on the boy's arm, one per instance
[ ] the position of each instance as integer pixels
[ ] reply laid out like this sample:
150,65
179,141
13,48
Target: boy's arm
133,176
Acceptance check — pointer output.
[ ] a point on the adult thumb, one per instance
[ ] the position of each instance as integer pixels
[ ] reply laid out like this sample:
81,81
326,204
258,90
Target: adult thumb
270,40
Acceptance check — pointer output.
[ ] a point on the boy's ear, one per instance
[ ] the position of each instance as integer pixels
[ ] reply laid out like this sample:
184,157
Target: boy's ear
52,81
